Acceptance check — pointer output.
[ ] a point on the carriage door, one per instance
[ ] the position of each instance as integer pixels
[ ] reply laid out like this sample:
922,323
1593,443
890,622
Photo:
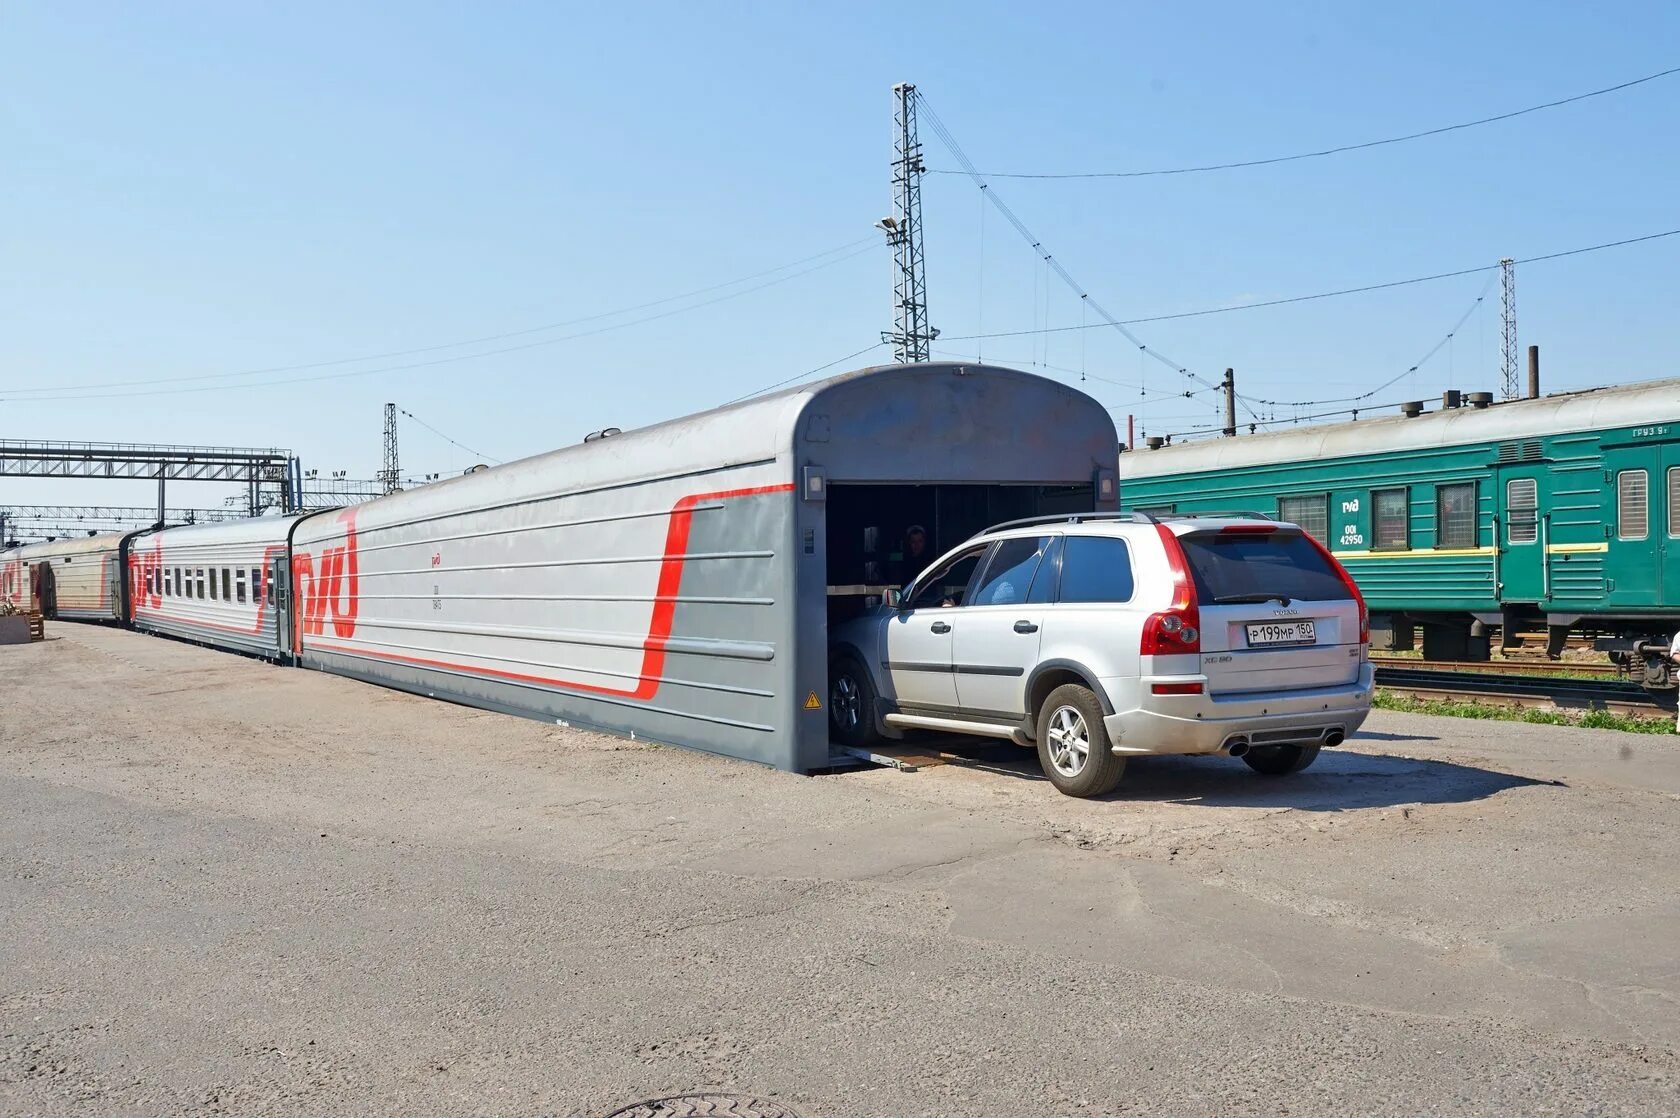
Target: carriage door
1668,548
1524,533
1636,525
279,602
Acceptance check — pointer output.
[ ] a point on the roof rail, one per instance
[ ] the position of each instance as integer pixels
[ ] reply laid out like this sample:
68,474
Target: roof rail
1232,514
1069,518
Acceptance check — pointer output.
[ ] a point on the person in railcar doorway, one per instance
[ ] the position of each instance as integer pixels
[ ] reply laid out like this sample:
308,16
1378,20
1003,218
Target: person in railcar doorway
913,557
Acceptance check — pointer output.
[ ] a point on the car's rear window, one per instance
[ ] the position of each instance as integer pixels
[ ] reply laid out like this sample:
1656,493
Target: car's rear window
1253,566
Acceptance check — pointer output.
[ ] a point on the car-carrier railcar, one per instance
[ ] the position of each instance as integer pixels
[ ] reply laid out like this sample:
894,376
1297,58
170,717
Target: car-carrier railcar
1561,511
675,583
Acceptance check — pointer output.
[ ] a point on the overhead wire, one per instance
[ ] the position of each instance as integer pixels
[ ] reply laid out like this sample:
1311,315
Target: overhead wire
951,145
1234,307
802,376
446,438
444,360
869,240
1445,340
1320,153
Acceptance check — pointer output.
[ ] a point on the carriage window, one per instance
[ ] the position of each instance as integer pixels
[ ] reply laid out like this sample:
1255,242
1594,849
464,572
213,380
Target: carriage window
268,591
213,594
256,585
1393,528
227,585
200,580
1311,513
1674,502
239,585
1455,515
1633,505
1521,503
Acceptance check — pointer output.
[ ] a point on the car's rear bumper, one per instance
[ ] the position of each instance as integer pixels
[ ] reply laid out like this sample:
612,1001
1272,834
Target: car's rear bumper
1209,724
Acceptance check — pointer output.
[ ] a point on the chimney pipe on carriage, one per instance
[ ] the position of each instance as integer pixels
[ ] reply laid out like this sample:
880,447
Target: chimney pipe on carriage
1533,372
1230,387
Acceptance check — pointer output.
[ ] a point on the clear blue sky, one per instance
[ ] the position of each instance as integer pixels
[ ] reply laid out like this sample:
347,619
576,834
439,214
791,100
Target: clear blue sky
213,188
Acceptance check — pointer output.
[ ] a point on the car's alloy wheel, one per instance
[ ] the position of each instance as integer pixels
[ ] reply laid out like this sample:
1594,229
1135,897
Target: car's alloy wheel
1070,741
851,703
1073,746
845,704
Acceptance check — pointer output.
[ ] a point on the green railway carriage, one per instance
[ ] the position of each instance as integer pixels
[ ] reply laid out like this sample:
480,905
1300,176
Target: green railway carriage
1561,511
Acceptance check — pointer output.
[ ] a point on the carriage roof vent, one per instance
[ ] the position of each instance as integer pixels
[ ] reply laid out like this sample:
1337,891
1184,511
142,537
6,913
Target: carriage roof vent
1411,409
1479,399
603,433
1153,442
1450,399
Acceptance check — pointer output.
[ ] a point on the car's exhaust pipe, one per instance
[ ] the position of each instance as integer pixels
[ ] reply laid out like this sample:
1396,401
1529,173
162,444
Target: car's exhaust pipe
1236,747
1334,738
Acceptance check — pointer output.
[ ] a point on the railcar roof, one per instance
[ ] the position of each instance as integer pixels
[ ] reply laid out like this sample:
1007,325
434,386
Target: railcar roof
757,429
75,545
1629,405
256,529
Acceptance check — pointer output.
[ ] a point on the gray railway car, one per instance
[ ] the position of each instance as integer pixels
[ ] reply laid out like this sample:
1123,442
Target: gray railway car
210,583
678,582
76,579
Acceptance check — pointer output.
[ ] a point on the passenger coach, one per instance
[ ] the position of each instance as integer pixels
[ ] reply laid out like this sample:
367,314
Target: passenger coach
77,579
1562,511
211,583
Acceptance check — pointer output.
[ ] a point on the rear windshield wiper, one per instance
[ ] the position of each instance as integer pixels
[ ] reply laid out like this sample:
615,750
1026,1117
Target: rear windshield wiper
1241,599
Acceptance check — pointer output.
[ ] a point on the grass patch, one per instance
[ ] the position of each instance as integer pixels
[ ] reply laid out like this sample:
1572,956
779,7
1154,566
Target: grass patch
1589,719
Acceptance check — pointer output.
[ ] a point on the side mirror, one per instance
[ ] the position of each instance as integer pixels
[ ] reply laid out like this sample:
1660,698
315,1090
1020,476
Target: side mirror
894,597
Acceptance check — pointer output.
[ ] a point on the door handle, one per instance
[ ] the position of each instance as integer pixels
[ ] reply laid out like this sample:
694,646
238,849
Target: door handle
1025,627
941,627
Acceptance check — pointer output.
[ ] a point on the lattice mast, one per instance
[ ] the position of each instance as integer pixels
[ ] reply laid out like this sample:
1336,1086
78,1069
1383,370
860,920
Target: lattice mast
911,336
1508,295
391,474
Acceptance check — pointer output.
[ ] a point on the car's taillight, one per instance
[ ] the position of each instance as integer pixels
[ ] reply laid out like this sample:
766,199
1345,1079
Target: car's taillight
1352,588
1178,628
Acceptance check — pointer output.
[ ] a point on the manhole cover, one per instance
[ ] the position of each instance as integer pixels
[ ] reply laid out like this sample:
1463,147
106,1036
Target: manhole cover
714,1106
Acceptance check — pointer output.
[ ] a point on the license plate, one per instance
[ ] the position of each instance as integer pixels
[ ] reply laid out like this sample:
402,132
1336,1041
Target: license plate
1282,632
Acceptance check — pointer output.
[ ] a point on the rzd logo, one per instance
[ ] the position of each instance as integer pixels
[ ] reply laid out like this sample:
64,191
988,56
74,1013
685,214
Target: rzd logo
332,587
145,573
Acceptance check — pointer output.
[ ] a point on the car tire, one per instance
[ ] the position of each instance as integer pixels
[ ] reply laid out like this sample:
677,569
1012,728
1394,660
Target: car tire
851,703
1280,760
1073,745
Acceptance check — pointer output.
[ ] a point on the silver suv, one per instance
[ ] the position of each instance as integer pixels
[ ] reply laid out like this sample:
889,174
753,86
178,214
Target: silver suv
1102,636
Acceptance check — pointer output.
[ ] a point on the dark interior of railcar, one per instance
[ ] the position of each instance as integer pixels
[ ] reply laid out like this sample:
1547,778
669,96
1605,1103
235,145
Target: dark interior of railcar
868,526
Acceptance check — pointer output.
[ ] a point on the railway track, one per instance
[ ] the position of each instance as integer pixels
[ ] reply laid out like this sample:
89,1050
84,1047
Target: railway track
1524,687
1559,669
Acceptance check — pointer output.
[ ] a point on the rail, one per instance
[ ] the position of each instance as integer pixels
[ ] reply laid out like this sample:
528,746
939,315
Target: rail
1523,688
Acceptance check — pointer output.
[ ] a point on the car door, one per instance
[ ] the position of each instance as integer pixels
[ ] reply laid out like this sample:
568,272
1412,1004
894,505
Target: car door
997,628
916,665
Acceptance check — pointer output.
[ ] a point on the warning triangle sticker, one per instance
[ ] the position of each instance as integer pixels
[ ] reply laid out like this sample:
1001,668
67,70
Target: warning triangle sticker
812,702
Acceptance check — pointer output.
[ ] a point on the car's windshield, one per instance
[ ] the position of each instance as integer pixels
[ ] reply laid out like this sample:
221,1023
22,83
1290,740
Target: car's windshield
1232,567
